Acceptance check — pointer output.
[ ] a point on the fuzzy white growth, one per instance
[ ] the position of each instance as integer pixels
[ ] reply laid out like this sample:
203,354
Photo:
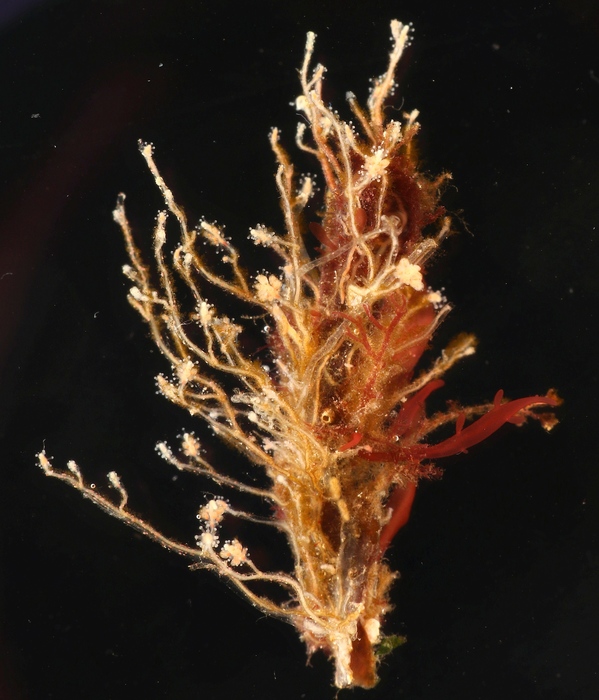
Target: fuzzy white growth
409,274
213,512
190,446
234,553
268,289
372,628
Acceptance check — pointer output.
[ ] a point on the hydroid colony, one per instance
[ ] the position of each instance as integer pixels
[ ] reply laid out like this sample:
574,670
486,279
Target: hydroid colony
336,419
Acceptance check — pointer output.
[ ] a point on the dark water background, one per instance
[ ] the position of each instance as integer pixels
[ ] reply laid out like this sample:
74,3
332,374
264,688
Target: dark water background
499,595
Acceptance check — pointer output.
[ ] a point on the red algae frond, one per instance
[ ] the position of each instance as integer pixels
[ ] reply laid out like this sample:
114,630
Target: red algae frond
337,421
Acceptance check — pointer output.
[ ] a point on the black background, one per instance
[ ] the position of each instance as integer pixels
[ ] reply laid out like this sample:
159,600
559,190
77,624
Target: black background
499,593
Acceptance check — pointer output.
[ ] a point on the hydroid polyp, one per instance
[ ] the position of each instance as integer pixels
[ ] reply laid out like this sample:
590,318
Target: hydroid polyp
336,418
